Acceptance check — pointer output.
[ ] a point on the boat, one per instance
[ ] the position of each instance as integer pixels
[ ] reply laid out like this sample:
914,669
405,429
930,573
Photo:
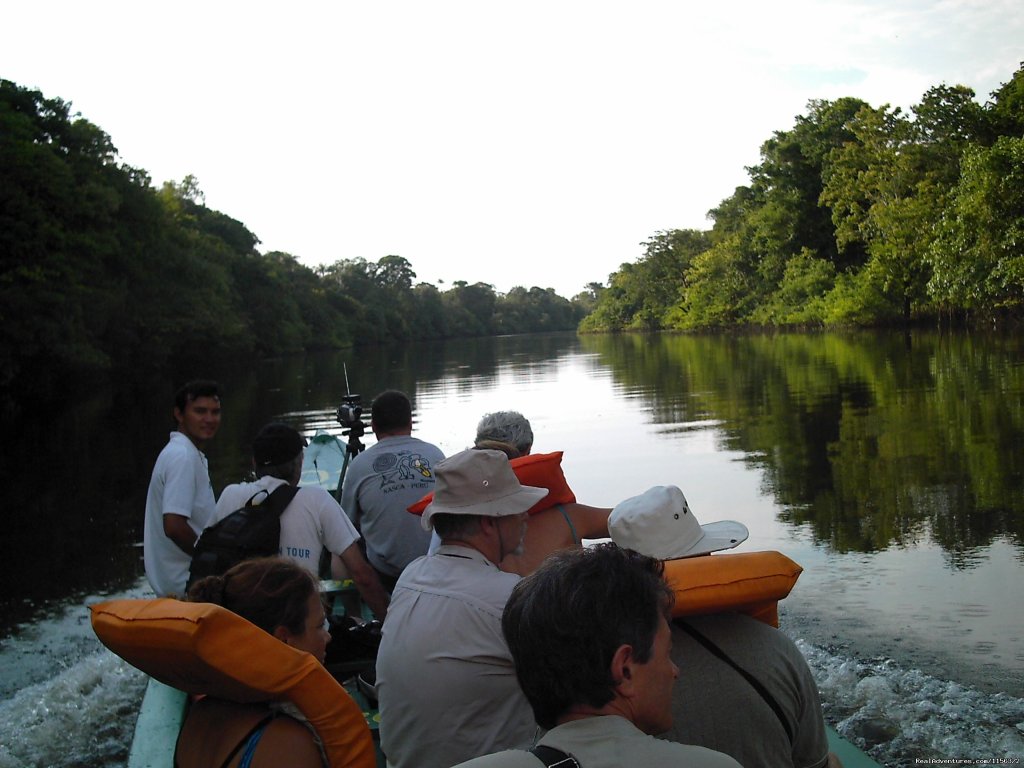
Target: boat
325,462
163,711
163,707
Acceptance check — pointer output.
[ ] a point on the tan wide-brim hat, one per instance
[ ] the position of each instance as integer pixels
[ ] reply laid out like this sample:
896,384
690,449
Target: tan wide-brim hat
479,482
658,523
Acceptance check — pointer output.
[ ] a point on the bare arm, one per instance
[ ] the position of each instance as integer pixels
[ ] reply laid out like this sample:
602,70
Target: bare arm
287,742
338,569
366,580
547,532
178,530
589,522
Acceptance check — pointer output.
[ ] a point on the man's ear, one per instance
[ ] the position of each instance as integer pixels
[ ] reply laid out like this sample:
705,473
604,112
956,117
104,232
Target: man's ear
178,415
622,671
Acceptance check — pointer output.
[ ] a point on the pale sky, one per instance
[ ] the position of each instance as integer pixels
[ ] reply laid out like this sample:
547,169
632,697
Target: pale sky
513,143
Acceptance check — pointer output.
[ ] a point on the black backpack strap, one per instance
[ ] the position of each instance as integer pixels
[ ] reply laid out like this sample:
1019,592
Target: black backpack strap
552,757
756,684
279,499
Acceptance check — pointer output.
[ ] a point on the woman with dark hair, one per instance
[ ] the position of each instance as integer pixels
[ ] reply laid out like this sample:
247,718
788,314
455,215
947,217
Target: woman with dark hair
282,599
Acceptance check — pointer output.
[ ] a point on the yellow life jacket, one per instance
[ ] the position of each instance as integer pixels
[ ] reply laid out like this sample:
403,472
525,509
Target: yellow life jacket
195,647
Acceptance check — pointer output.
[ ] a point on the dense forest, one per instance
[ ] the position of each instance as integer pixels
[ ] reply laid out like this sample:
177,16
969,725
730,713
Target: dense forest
857,215
102,272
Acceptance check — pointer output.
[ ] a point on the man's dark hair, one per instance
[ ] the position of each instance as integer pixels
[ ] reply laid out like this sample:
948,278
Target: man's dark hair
564,623
193,390
391,410
284,471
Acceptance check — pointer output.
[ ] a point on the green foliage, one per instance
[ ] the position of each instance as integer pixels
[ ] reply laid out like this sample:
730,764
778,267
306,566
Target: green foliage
801,296
101,272
586,301
639,295
978,257
470,308
718,287
790,178
1006,109
857,299
534,310
857,215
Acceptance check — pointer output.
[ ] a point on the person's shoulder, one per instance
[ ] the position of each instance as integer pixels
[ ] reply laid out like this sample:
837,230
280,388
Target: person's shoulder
405,442
238,491
427,445
692,755
286,741
240,487
730,624
177,445
314,494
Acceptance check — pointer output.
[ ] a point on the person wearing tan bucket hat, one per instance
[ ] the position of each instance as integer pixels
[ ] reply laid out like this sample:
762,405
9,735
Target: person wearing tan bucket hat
744,688
445,683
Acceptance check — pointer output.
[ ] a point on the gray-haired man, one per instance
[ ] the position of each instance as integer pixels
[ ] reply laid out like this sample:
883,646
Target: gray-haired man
445,680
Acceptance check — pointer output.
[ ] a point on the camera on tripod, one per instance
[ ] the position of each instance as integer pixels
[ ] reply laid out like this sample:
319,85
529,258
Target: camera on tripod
350,414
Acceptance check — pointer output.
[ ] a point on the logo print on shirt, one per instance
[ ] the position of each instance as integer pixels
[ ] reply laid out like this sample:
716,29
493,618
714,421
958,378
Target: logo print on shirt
410,466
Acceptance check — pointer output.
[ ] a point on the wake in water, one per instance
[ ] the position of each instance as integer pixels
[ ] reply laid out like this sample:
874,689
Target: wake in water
900,716
70,703
83,717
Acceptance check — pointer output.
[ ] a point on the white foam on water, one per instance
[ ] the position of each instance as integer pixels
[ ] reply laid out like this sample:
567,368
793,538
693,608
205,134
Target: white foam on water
73,704
69,702
902,717
82,717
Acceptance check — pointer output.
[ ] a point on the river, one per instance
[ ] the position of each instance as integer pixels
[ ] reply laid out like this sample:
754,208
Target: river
889,465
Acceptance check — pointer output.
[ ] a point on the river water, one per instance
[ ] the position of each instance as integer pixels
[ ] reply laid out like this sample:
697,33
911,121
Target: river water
889,465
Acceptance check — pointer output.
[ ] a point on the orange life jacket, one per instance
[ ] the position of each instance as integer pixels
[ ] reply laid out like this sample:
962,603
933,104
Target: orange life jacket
745,582
194,647
541,470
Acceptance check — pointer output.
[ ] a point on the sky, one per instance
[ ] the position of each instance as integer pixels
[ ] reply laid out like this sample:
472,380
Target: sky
511,143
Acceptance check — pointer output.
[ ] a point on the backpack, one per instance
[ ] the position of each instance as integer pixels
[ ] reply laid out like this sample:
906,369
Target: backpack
252,531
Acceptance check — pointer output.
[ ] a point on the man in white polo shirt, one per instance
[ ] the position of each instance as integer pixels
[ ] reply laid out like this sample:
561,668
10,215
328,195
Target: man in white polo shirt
180,500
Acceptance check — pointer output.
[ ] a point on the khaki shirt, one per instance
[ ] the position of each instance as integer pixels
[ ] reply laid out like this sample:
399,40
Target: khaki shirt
445,681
